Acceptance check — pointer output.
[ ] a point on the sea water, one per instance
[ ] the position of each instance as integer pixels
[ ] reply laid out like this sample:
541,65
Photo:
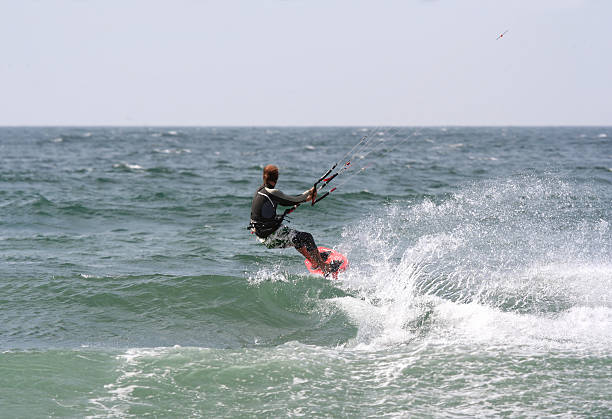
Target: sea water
480,277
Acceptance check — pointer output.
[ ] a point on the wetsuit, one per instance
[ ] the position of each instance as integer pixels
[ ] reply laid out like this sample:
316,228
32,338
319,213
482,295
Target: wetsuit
267,225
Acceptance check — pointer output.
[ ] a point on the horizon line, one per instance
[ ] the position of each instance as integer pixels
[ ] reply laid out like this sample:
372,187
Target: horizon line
311,126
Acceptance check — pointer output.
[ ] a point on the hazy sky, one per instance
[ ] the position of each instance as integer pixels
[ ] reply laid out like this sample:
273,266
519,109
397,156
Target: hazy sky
305,62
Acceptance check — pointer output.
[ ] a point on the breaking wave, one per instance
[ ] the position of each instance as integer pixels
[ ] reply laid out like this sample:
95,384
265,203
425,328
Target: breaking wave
521,261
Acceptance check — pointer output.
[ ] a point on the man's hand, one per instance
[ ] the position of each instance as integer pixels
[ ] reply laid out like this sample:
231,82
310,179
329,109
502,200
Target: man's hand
312,195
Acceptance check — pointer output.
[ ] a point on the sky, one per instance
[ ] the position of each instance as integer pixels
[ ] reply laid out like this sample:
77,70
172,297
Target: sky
305,62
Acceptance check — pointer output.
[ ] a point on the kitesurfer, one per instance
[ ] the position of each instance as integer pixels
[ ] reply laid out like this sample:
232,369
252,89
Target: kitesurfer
269,228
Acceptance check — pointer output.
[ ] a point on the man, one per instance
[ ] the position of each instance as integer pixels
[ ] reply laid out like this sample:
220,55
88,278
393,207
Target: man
268,226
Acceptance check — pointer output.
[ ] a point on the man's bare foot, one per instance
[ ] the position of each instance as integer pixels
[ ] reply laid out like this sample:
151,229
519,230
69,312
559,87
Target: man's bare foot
324,267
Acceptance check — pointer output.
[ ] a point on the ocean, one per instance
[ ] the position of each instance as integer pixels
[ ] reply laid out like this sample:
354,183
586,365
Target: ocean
479,282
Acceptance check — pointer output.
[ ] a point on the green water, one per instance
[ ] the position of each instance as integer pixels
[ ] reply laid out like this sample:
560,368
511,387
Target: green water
479,282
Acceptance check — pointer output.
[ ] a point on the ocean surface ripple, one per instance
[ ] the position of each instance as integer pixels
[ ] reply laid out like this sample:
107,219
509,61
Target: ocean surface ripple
479,285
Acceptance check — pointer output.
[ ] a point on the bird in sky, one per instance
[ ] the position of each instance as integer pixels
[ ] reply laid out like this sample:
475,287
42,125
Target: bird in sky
502,35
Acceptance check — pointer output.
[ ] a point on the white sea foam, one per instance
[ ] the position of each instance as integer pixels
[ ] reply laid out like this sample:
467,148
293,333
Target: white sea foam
120,393
172,150
577,328
127,166
503,263
272,273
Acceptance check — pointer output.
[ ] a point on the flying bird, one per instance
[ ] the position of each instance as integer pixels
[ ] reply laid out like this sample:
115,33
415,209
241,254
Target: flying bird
501,36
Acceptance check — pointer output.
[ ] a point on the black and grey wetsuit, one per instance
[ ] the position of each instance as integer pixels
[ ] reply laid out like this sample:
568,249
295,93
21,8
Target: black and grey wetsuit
263,210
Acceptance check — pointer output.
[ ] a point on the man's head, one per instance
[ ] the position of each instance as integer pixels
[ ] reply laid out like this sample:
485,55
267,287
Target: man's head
270,175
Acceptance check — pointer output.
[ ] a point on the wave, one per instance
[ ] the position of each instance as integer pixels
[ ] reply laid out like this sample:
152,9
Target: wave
515,261
127,167
159,310
298,380
74,135
525,250
171,150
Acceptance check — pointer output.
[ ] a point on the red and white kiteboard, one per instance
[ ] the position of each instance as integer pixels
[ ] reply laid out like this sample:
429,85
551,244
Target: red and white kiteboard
329,256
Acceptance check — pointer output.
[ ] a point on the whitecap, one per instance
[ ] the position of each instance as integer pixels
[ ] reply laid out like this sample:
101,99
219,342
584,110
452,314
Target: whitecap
172,150
127,166
273,274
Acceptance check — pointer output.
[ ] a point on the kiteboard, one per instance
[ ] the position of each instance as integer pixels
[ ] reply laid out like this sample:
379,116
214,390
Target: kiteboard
332,257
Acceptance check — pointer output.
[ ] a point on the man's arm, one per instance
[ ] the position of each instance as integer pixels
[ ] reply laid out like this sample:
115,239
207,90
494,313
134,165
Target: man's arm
289,200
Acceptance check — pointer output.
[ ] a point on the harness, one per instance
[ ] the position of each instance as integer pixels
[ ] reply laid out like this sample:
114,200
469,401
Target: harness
265,227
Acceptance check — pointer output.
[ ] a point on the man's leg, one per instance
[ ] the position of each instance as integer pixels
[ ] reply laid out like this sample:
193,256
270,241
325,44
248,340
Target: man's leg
305,244
302,241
